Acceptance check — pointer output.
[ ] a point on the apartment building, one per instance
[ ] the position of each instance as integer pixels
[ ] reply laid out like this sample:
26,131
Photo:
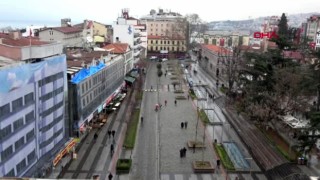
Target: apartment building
313,31
131,31
32,106
166,27
93,79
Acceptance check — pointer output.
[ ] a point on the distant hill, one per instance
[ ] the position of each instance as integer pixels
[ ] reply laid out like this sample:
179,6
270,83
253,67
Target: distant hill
294,20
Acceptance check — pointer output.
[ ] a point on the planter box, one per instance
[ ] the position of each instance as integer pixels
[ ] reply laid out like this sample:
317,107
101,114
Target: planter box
202,167
123,166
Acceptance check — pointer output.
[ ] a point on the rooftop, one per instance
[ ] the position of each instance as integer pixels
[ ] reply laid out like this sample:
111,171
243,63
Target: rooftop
10,40
177,37
66,30
216,49
117,48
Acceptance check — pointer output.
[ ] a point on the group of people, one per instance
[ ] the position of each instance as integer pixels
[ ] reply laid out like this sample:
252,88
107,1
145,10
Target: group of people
113,132
184,125
183,152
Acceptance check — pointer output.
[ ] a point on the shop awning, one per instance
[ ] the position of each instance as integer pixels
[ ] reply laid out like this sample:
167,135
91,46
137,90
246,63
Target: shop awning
129,79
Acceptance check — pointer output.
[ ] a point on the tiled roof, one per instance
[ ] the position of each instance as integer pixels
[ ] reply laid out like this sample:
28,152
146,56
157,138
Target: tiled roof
117,48
23,41
166,37
66,30
216,49
75,58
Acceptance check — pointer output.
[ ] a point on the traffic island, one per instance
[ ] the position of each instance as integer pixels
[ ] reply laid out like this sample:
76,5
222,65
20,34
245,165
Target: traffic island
198,144
123,166
202,167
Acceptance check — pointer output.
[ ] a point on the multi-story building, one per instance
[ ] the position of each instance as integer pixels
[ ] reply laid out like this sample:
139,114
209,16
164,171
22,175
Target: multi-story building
32,104
226,38
126,51
214,59
80,35
313,30
89,93
166,27
131,31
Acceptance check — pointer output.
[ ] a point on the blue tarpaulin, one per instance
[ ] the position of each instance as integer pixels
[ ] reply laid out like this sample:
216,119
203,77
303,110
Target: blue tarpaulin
84,73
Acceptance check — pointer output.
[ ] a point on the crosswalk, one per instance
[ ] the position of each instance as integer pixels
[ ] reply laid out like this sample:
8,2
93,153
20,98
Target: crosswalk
168,88
214,176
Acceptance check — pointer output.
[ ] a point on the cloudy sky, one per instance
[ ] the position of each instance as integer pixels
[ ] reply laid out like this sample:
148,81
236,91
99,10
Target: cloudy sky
40,12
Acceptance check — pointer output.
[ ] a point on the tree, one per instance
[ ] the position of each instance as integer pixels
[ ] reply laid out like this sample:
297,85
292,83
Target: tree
196,27
282,39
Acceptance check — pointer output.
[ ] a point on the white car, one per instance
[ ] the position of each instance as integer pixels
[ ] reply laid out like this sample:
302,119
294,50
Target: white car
164,59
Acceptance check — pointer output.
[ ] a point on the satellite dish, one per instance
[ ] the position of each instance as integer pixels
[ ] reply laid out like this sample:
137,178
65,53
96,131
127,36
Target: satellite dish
89,39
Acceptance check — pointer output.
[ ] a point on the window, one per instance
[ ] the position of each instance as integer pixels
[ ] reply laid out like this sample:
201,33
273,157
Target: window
6,153
17,104
19,143
5,109
21,166
5,131
30,135
29,117
151,41
31,156
156,42
10,173
164,42
17,124
28,98
87,86
160,42
82,88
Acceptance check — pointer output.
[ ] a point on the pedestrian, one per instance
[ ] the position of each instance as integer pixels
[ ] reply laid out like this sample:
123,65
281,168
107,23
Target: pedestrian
160,106
188,96
95,136
111,149
109,133
175,102
165,102
184,151
181,153
185,124
165,74
110,176
194,147
182,125
113,133
141,120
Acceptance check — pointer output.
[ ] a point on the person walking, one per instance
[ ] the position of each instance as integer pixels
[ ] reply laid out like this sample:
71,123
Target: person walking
111,149
182,124
185,124
184,151
194,147
175,102
165,102
188,96
113,133
95,136
110,176
141,120
109,133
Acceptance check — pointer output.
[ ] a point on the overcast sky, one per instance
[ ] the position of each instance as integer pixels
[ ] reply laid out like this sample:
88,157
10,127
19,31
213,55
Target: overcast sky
40,12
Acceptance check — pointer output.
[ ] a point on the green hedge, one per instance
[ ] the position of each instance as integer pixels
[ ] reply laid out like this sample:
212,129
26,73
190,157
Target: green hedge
224,158
203,116
132,130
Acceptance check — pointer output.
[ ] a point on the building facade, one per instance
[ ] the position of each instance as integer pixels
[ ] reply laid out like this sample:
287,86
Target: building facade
130,30
214,59
68,36
32,105
163,28
88,94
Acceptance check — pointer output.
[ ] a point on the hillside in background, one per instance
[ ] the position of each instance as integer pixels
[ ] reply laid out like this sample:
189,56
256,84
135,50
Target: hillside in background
294,20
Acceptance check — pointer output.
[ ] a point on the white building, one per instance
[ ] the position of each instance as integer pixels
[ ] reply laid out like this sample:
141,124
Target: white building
129,30
32,106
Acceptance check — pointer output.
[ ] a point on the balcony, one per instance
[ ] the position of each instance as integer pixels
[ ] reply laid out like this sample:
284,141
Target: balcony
136,53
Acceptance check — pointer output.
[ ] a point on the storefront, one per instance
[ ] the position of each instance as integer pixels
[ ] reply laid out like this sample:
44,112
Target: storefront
68,148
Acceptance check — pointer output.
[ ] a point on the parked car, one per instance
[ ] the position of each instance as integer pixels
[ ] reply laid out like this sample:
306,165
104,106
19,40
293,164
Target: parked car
181,58
164,59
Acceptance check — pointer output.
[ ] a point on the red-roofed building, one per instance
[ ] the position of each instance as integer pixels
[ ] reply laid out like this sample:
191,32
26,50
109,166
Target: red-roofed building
167,32
14,48
122,48
214,58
